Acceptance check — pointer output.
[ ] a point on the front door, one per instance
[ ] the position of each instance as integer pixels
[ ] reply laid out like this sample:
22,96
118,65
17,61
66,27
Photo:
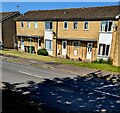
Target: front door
89,51
39,43
22,44
64,48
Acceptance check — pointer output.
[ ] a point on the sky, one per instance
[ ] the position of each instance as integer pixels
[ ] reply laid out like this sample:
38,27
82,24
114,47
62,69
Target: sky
26,6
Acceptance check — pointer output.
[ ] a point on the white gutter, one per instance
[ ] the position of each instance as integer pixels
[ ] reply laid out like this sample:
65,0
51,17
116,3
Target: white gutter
118,16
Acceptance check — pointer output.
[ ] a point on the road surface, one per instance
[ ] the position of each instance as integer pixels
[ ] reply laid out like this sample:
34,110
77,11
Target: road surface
63,91
14,72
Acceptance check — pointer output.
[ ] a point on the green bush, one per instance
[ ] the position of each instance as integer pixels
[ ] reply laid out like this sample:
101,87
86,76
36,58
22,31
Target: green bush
42,52
109,61
101,61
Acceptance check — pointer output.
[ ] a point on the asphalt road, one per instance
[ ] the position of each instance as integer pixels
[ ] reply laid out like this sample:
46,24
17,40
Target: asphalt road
15,73
63,91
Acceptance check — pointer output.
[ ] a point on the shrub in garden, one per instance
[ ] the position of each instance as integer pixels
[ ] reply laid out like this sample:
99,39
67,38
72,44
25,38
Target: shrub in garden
42,52
100,61
109,61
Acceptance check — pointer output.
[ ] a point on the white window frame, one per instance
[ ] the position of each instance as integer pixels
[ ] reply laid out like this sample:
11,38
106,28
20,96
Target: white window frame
105,50
28,24
35,24
73,25
50,42
64,25
84,25
107,26
49,25
21,24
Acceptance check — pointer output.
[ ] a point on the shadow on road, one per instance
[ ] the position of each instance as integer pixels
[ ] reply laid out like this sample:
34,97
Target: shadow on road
63,95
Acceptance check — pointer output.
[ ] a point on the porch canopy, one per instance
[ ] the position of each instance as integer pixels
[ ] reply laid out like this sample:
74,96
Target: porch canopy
78,39
29,36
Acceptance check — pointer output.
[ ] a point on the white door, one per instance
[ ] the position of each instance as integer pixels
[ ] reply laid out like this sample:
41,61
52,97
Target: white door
89,51
64,48
22,44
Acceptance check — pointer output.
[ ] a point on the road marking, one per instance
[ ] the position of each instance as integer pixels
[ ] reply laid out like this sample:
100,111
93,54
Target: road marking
38,76
107,93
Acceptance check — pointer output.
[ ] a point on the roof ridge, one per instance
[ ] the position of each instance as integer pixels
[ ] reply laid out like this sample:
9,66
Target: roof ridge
9,12
74,8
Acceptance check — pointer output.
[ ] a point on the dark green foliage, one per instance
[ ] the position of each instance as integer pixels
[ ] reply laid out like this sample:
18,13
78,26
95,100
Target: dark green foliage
109,61
42,52
101,61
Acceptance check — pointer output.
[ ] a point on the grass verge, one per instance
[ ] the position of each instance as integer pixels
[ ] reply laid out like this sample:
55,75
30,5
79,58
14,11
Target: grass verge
105,67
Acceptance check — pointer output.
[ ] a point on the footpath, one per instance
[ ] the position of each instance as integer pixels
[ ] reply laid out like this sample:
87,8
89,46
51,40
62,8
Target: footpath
82,71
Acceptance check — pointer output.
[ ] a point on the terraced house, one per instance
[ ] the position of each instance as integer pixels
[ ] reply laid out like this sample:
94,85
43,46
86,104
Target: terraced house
77,33
8,28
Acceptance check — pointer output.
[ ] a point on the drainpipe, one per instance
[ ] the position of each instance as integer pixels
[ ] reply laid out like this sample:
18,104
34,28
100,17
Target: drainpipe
56,37
14,41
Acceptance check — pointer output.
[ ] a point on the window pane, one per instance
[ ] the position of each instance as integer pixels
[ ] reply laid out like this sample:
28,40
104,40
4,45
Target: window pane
103,24
107,49
65,25
22,25
76,44
64,45
86,25
35,24
39,43
50,25
75,25
110,26
47,25
103,51
28,24
106,26
48,44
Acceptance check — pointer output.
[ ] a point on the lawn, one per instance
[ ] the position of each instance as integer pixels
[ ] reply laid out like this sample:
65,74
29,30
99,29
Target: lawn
105,67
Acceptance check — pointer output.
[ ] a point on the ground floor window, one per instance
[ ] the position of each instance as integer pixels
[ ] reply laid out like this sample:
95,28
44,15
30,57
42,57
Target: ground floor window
48,44
104,49
30,40
76,43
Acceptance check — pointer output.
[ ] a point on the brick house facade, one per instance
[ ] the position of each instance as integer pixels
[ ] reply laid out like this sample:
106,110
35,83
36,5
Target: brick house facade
78,33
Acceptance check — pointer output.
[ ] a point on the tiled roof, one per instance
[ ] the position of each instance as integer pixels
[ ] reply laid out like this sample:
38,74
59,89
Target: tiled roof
5,15
91,13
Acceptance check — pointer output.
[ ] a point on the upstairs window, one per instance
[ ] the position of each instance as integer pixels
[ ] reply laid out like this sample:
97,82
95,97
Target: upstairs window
28,24
22,24
48,25
75,25
106,26
35,25
65,25
86,25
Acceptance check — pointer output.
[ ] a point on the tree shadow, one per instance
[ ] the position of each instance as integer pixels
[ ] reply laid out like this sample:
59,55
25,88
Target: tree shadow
62,95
